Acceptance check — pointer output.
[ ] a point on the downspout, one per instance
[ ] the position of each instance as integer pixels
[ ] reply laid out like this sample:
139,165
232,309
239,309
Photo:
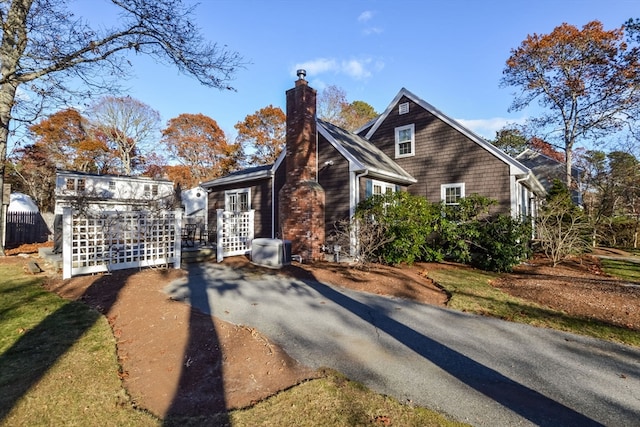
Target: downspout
273,204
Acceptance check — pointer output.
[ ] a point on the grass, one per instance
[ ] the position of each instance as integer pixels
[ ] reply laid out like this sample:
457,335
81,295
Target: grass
624,270
471,292
58,366
332,400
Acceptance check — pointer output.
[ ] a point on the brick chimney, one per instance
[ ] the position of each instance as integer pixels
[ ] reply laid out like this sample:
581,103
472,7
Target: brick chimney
301,199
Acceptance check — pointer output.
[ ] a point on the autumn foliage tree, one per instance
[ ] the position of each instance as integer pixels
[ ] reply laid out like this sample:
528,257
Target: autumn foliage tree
334,108
200,147
52,56
32,171
69,142
586,80
263,135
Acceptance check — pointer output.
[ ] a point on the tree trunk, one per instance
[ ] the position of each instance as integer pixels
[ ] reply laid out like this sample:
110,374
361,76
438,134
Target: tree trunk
14,42
568,161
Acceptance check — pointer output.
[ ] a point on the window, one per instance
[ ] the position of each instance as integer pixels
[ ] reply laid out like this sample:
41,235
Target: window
71,184
112,185
452,193
80,184
237,200
154,190
378,188
405,141
147,191
403,108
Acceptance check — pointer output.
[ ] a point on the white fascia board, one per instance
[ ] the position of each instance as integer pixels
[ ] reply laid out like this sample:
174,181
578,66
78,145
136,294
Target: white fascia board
354,164
236,179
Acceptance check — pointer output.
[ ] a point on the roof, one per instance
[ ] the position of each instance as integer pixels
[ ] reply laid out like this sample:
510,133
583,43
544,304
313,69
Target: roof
363,155
243,175
66,172
516,167
545,168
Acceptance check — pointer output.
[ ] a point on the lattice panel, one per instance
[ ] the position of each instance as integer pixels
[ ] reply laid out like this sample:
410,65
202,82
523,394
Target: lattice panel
119,240
235,232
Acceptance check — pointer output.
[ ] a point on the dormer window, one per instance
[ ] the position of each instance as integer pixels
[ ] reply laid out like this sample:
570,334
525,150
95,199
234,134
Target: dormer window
405,141
403,108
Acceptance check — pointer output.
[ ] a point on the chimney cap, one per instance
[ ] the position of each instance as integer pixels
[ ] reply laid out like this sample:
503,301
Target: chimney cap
301,74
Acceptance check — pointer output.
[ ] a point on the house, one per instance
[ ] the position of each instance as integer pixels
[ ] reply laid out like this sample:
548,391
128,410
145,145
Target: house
93,193
547,170
325,171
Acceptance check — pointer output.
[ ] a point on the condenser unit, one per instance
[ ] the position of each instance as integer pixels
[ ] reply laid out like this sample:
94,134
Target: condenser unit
273,253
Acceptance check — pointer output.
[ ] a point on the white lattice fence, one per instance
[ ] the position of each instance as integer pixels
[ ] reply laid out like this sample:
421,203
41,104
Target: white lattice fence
235,233
118,240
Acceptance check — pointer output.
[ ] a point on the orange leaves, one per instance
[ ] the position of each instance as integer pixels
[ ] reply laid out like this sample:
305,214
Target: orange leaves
263,134
201,147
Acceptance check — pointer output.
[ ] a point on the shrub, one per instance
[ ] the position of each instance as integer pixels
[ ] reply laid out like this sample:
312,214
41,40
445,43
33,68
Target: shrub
503,243
561,226
408,219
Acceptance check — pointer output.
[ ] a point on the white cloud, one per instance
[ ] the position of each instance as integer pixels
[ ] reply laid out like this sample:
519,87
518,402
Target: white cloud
357,69
317,66
365,16
372,30
487,128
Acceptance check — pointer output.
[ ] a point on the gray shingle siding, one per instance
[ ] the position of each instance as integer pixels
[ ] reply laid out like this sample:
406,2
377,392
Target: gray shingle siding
444,156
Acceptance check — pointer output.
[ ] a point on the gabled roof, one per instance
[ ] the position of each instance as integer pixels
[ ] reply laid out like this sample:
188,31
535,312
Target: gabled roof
516,167
363,155
546,170
248,174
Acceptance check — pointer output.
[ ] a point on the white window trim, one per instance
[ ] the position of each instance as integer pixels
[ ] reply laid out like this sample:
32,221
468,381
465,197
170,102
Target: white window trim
384,186
413,140
443,191
237,191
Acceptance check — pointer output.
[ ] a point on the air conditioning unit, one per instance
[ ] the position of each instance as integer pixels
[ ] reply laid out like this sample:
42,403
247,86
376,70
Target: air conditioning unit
272,253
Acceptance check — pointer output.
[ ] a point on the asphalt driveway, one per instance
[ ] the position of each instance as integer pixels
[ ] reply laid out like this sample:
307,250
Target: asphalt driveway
479,370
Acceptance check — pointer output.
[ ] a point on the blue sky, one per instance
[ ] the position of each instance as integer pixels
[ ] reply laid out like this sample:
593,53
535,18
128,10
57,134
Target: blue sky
451,53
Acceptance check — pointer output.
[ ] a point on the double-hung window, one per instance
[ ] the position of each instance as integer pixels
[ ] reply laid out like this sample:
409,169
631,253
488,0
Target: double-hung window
405,141
237,200
452,193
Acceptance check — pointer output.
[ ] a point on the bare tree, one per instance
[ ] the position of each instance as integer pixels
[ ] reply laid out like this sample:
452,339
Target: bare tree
561,227
127,124
44,46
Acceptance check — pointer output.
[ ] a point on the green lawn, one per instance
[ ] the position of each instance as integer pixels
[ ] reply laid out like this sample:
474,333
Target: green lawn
471,292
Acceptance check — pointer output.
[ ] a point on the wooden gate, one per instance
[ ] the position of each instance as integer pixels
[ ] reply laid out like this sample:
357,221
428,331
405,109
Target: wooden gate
235,233
119,240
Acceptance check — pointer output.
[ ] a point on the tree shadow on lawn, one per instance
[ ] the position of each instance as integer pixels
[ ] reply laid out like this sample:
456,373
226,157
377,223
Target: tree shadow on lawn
35,352
193,395
517,397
